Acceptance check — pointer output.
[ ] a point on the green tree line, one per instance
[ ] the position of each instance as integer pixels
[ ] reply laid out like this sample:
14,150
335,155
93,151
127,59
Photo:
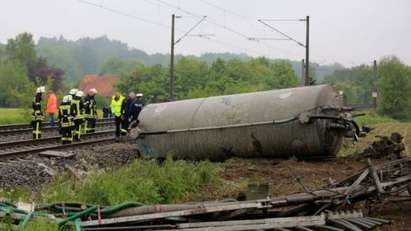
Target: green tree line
97,55
21,69
393,82
196,78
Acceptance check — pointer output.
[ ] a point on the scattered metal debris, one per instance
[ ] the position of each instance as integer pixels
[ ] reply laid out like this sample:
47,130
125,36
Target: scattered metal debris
328,208
386,147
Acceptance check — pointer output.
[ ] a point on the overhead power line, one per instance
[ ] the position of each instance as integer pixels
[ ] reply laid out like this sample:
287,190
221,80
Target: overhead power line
118,12
262,21
190,30
124,14
209,20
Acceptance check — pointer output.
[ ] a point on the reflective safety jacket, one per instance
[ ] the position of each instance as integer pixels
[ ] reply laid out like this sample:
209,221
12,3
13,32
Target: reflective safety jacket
78,106
51,103
90,107
117,106
66,111
37,112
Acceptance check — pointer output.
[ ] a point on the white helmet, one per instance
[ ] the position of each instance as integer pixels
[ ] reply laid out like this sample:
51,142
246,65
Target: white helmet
73,91
93,90
41,89
139,94
79,94
67,98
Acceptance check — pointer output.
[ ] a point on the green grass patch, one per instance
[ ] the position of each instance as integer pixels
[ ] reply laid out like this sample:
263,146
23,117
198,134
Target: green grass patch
372,118
14,115
21,115
41,224
144,181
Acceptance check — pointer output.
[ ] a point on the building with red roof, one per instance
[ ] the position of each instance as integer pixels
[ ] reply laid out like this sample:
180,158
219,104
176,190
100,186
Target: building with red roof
103,83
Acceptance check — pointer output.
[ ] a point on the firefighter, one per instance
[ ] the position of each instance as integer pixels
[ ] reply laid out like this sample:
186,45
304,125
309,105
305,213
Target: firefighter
90,111
65,115
135,108
73,92
37,113
117,108
78,114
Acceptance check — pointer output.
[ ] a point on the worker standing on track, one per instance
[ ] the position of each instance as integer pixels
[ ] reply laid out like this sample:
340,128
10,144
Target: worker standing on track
127,105
78,105
134,110
37,113
51,108
65,115
117,108
90,111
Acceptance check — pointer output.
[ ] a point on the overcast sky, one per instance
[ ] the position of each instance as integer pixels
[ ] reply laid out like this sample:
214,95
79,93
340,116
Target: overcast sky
350,32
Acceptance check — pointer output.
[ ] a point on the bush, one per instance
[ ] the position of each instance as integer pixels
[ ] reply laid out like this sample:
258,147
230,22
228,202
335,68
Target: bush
144,181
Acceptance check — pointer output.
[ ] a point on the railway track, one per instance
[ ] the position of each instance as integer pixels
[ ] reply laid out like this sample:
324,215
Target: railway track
16,129
32,146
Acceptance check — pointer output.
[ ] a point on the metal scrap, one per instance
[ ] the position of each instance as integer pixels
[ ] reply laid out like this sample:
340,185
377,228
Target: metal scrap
327,208
386,147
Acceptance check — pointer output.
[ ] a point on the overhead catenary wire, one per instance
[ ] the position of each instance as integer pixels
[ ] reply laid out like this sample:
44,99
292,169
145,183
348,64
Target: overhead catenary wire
124,14
262,21
190,30
162,25
224,27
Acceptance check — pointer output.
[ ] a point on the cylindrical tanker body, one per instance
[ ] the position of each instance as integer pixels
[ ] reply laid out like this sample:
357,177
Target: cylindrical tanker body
303,121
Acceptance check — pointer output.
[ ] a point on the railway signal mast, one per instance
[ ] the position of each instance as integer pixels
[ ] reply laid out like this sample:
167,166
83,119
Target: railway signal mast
174,43
307,79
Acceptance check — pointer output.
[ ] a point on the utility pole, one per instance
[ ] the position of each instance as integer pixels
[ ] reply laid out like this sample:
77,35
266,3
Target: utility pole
375,92
172,77
173,43
302,71
307,78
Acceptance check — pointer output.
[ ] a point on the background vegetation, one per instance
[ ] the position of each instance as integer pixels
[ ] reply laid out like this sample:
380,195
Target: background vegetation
60,63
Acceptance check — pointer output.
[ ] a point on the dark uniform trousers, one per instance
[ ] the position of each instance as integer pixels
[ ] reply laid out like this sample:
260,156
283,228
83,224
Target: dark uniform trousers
37,118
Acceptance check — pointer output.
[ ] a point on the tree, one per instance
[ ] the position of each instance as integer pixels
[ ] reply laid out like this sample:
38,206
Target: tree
15,88
22,49
357,83
394,88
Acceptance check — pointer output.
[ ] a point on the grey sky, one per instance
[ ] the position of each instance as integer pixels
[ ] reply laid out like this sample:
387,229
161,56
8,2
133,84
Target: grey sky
351,32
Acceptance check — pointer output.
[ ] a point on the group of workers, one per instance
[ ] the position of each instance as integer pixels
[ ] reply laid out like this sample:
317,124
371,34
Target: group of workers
77,114
126,111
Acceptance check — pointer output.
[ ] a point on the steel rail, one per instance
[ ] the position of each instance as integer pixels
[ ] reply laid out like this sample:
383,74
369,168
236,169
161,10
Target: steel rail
30,146
22,128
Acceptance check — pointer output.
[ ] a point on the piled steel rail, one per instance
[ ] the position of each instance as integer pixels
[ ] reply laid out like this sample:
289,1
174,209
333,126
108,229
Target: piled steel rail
31,146
11,129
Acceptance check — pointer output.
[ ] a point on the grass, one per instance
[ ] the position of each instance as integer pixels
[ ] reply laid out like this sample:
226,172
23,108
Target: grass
21,115
372,118
14,115
41,224
383,126
144,181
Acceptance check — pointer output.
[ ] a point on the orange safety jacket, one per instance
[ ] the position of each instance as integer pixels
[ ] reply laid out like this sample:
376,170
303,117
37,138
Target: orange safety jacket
51,103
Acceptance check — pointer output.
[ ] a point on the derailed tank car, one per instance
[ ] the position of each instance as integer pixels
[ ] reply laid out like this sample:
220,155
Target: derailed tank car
305,121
